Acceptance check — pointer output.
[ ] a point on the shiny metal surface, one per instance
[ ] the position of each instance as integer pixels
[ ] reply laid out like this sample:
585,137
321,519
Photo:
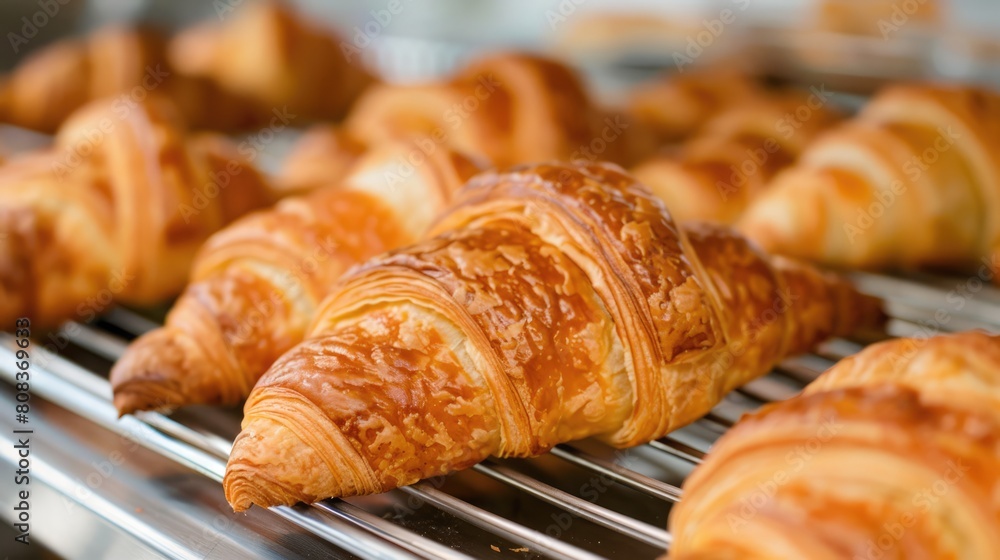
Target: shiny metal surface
148,485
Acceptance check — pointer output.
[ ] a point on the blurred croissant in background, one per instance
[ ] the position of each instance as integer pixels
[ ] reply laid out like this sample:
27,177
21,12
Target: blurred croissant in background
509,108
912,181
732,159
116,209
227,76
256,284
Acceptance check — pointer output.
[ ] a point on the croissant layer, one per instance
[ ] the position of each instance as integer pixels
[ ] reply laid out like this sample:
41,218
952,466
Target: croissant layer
256,284
893,452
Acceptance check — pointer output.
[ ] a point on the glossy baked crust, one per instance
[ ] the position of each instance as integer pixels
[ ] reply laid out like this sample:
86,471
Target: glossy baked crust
554,302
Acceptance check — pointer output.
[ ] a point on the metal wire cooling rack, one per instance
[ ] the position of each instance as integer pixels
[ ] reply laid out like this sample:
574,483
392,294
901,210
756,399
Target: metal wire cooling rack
149,484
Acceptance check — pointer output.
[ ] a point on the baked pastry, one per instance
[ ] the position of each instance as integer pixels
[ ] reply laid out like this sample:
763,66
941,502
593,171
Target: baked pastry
55,81
255,285
265,62
509,107
893,453
274,57
912,181
676,106
714,175
552,303
323,155
114,211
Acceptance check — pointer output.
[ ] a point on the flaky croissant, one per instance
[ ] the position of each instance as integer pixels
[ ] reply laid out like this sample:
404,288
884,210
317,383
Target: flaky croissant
914,180
267,53
509,107
114,211
893,453
256,285
714,175
555,302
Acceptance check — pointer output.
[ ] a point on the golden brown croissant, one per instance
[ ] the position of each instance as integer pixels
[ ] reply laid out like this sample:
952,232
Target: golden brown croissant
114,211
678,105
914,180
556,302
273,56
256,284
717,173
510,108
893,453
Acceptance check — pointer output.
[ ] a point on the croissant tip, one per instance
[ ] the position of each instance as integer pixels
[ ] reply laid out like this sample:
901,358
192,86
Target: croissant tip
140,394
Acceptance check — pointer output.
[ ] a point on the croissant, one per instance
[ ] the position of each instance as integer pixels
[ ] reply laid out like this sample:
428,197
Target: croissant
268,53
555,302
59,79
509,108
679,105
232,76
912,181
324,154
256,285
893,453
114,211
714,175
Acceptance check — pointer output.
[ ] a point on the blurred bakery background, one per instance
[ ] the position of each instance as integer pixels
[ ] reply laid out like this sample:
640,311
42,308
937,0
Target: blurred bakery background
847,46
409,39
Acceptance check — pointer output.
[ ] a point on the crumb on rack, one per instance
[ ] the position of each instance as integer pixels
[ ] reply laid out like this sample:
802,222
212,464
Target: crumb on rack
495,548
522,549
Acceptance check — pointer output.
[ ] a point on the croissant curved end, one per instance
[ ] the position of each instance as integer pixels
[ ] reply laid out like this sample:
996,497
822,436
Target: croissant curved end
285,455
161,371
249,482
